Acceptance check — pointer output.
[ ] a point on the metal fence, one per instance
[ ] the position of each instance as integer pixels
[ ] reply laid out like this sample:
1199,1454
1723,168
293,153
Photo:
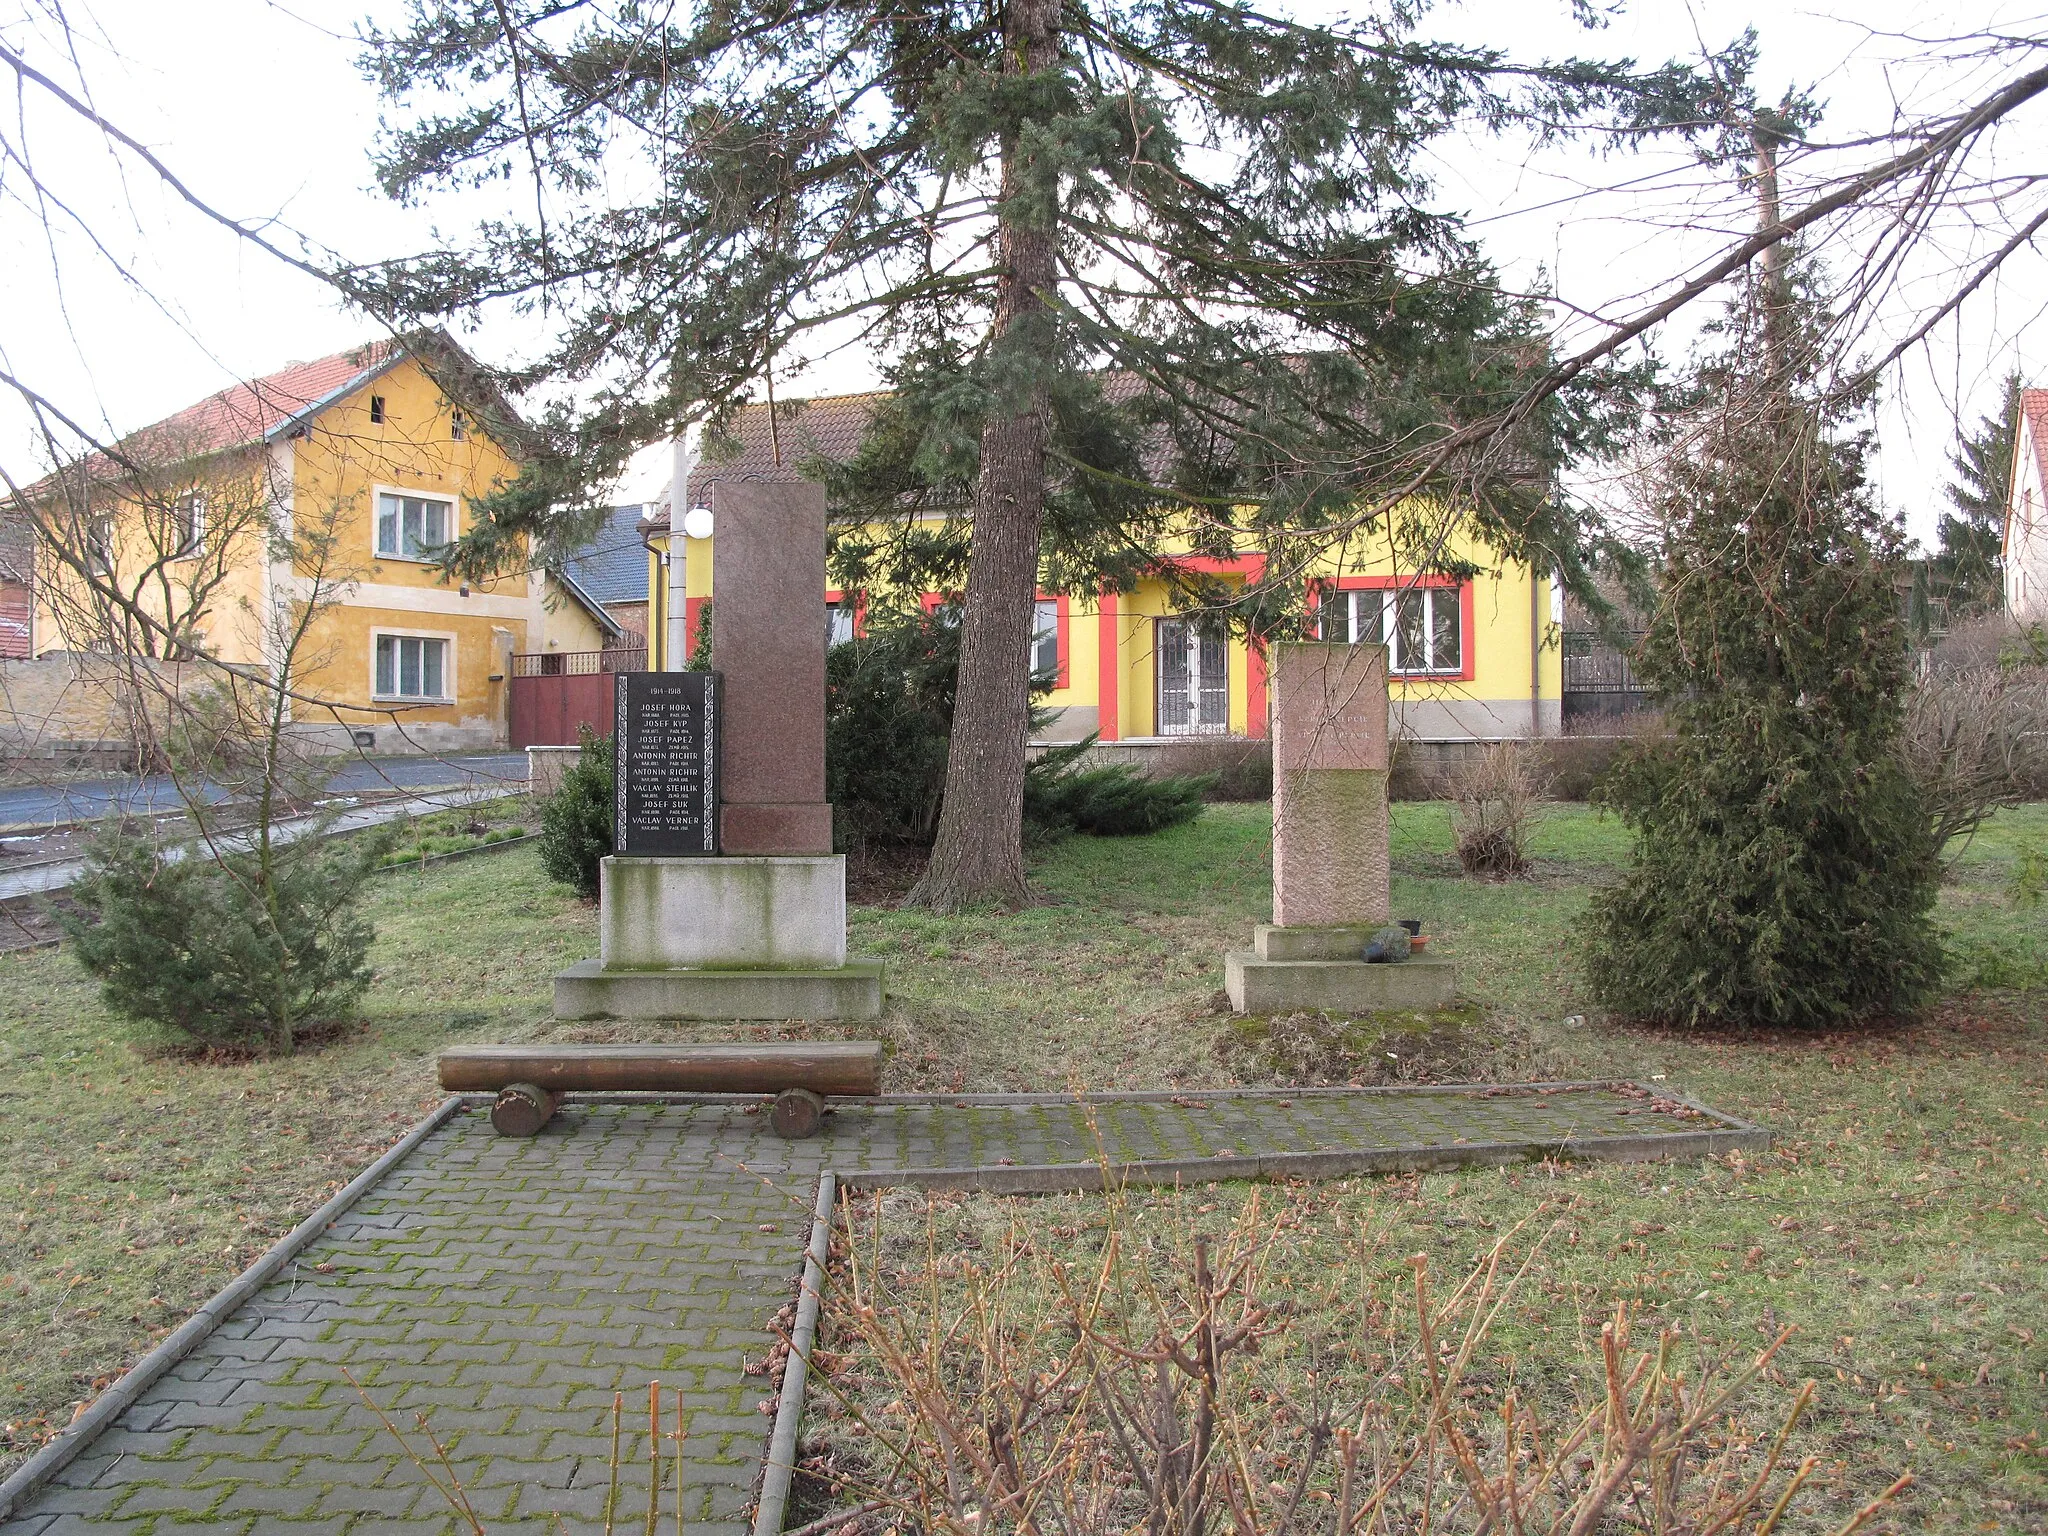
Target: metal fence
578,663
1593,665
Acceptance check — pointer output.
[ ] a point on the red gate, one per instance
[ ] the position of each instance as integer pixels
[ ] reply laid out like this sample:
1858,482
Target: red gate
553,692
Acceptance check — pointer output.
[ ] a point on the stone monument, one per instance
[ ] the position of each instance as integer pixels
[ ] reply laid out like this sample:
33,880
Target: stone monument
1331,868
724,899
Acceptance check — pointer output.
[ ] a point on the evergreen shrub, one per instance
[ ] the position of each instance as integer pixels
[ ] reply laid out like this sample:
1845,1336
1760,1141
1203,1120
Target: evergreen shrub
240,951
576,821
888,720
1116,800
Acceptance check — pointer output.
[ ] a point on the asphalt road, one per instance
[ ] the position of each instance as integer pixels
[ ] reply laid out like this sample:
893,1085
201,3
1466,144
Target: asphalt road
41,806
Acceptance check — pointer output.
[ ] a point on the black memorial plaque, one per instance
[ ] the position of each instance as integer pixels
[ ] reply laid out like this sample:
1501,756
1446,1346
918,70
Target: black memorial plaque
666,727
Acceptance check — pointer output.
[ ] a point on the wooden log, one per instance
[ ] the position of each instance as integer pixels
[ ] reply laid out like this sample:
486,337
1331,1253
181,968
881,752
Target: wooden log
796,1114
523,1109
835,1068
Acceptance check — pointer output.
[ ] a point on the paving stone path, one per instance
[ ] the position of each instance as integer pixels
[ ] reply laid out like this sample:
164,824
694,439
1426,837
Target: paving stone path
506,1289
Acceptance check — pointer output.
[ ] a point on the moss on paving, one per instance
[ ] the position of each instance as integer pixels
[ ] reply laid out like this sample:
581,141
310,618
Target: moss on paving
133,1183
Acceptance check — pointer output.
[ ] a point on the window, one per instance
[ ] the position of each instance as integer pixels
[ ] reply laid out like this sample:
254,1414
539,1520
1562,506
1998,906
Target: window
1045,639
377,409
838,624
1354,617
410,667
188,524
457,429
410,527
1194,679
99,546
1422,627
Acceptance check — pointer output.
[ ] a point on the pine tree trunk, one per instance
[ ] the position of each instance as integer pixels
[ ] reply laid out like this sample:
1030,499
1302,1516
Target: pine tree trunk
978,856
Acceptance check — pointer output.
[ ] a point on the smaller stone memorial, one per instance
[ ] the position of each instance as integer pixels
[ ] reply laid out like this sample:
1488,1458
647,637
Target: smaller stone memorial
724,899
1331,867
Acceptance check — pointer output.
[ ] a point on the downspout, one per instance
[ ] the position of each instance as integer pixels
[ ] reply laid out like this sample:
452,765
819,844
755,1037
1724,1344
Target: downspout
676,615
657,600
1535,656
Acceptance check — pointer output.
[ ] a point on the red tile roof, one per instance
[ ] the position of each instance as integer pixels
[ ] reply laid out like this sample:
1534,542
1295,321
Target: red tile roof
249,413
2034,407
827,427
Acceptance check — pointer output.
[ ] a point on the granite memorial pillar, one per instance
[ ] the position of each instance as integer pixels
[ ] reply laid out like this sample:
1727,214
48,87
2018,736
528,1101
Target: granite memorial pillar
768,585
724,899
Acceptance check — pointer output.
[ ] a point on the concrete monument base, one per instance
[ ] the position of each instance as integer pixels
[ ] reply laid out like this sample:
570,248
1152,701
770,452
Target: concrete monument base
587,990
775,913
759,937
1293,970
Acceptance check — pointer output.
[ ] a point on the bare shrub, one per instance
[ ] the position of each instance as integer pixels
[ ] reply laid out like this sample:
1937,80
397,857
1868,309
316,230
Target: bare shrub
1164,1386
1496,799
1976,728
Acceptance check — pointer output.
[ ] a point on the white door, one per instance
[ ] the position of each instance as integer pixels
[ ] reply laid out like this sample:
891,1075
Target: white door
1194,678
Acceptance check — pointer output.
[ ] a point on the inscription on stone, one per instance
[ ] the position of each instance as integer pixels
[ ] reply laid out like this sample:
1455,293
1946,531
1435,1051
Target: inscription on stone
666,726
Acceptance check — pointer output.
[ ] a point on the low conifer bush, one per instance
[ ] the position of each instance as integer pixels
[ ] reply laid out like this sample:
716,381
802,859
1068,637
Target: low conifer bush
247,950
1115,800
576,820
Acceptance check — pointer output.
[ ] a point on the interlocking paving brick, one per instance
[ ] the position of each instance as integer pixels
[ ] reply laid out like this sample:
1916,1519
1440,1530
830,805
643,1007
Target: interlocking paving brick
506,1290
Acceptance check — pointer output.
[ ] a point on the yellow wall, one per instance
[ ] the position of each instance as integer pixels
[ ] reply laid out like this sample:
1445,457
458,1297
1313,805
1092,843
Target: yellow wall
567,625
217,590
1494,701
338,468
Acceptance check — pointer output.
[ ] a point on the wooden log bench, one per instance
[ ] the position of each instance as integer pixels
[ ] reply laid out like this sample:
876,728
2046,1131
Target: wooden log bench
530,1080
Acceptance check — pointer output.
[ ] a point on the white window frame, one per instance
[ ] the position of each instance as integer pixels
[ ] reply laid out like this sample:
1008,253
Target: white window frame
1389,605
377,495
840,622
100,551
1045,632
189,525
448,685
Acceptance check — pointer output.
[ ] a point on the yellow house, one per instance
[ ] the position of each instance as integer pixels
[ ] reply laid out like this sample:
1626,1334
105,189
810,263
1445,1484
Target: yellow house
1472,659
292,520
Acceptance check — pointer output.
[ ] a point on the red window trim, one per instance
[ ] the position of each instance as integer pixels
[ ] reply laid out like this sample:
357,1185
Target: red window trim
931,602
1466,630
1252,567
834,595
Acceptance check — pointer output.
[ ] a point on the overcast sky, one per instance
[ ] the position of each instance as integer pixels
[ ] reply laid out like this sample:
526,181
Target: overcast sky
260,108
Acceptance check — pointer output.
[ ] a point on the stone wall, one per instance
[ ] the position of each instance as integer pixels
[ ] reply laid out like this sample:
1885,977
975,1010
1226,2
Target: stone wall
1422,770
72,710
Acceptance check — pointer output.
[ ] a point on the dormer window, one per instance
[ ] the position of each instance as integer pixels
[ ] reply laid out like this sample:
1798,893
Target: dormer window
188,525
99,546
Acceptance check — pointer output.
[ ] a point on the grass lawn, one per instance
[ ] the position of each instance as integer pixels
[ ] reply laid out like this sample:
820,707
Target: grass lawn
1901,1223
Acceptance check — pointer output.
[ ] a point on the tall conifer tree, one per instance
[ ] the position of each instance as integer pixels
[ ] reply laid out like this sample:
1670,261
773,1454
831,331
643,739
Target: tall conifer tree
1966,575
1010,200
1784,868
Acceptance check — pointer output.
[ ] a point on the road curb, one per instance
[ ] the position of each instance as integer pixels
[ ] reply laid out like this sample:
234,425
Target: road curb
110,1404
778,1468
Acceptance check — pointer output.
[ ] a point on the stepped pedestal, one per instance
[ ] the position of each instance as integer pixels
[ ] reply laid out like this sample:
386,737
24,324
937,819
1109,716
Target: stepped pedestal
1297,970
722,938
